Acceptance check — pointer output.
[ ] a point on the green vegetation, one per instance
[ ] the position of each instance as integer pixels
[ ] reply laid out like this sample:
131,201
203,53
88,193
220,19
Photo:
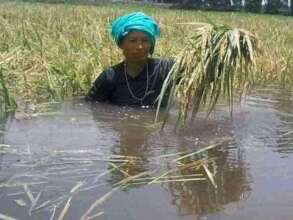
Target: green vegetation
7,103
53,51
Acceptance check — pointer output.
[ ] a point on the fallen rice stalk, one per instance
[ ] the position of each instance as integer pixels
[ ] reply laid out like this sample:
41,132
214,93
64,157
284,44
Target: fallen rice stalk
4,145
130,178
6,217
28,193
15,194
180,180
169,177
60,199
193,164
51,203
210,175
65,209
92,187
170,155
95,153
169,181
4,148
20,202
94,216
98,202
67,205
120,170
287,133
76,187
21,184
164,179
43,205
53,213
96,159
108,171
34,203
163,175
198,152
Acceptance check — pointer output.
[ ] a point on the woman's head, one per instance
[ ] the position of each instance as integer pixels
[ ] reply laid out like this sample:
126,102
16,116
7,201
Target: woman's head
137,24
136,47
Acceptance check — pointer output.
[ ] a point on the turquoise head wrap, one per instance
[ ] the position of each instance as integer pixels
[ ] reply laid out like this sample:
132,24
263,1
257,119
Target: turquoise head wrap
135,21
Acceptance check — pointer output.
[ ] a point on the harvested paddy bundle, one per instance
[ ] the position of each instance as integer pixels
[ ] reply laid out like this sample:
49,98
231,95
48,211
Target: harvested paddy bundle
216,58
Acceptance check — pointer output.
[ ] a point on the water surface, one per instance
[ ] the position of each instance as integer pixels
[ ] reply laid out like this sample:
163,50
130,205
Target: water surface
77,153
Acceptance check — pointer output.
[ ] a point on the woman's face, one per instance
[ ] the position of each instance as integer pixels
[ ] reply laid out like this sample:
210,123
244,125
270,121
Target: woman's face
136,46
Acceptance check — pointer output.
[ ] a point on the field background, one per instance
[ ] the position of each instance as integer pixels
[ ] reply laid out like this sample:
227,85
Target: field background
53,51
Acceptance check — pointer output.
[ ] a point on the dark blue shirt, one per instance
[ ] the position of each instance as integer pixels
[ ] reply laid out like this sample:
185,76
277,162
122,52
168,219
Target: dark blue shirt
113,86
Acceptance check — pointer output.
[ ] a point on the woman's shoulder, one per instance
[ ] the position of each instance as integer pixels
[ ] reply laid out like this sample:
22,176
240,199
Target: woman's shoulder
163,61
112,72
162,66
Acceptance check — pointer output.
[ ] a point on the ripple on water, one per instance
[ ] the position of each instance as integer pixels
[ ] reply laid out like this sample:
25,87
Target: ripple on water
84,150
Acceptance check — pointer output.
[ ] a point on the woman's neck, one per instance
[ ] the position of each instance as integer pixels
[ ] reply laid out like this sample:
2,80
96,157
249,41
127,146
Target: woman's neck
134,68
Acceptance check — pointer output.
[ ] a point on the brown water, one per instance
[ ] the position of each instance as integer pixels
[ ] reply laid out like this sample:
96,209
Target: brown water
44,157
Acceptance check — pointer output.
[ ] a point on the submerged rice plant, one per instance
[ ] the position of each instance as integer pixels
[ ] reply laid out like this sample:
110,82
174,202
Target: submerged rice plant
7,103
215,56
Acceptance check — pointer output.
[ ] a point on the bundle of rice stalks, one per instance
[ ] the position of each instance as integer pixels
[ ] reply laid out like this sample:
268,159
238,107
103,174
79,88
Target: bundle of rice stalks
214,59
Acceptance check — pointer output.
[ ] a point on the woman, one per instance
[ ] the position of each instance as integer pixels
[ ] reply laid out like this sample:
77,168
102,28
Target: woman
138,79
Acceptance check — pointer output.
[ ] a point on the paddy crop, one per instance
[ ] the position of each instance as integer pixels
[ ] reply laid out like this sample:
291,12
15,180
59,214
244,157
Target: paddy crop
56,51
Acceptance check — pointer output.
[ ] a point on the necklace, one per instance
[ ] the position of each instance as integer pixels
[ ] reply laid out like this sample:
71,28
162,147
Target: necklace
129,88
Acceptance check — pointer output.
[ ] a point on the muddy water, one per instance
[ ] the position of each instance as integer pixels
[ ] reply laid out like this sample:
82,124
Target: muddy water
66,164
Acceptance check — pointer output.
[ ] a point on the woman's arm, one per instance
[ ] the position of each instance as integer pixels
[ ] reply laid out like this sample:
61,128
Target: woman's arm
102,88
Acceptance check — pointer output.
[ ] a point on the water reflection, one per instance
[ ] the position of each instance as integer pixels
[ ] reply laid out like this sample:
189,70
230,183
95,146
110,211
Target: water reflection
226,162
272,121
284,106
2,129
132,138
231,176
4,123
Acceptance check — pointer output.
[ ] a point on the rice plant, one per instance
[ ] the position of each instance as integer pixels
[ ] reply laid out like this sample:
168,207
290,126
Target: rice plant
60,49
7,103
215,56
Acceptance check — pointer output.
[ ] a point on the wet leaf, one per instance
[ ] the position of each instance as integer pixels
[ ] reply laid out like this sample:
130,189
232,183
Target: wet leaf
20,202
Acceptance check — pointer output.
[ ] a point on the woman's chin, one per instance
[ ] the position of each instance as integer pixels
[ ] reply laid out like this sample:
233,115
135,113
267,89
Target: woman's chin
139,59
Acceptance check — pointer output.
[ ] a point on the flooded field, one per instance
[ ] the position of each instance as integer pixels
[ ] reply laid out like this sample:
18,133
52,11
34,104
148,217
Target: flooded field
83,161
